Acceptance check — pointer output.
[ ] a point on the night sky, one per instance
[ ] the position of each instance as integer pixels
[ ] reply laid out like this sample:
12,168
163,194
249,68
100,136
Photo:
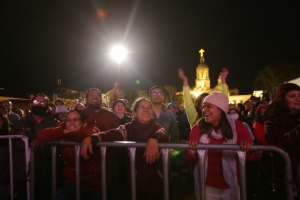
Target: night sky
42,41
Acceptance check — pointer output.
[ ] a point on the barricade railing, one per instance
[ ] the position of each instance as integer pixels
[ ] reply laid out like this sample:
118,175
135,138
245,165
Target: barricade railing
27,160
165,157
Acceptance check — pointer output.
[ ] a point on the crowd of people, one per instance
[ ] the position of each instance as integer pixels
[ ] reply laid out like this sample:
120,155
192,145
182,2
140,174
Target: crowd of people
210,119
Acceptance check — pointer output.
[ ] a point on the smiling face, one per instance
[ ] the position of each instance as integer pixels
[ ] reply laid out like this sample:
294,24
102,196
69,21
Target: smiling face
119,108
74,121
94,99
211,113
292,100
144,112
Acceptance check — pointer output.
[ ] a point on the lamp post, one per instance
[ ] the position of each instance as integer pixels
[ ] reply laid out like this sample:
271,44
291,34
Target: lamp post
118,54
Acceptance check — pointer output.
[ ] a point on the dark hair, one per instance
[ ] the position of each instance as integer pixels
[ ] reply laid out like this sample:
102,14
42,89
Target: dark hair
6,125
254,106
82,115
241,106
63,103
258,117
154,87
224,125
137,101
87,93
277,109
198,103
42,95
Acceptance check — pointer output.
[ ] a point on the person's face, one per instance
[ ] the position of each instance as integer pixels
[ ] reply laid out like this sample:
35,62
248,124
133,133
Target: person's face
247,106
157,96
94,97
119,108
73,121
232,112
144,112
171,108
7,105
211,113
262,111
20,113
59,103
39,101
1,123
79,107
292,100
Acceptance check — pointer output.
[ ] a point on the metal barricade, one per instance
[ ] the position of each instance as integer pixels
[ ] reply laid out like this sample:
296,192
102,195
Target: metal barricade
27,160
165,153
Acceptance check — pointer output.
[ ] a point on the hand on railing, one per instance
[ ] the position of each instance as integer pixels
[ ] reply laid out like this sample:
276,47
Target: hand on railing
151,152
34,143
245,145
86,147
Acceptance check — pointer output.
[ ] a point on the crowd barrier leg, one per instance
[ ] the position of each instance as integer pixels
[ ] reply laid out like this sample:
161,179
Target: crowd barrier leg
242,166
77,171
132,172
32,177
103,171
53,164
201,164
11,170
165,157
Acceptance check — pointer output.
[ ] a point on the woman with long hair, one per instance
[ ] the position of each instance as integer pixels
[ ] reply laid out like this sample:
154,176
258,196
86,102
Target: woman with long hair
216,127
282,129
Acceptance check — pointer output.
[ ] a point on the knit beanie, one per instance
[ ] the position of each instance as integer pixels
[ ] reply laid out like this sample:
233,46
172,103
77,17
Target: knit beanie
119,101
286,87
219,100
172,104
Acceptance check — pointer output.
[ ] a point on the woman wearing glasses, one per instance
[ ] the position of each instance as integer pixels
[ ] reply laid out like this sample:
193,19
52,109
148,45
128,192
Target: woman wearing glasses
142,129
75,128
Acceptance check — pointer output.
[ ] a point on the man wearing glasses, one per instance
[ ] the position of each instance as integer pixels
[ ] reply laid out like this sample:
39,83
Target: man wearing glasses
162,116
29,126
13,117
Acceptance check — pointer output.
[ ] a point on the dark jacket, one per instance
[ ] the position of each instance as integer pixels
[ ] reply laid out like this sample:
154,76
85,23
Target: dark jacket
28,127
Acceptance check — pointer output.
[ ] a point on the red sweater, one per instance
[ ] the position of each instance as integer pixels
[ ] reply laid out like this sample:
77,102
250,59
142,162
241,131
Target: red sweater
214,174
90,169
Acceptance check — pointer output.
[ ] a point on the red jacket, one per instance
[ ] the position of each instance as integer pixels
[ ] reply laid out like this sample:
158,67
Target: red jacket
90,169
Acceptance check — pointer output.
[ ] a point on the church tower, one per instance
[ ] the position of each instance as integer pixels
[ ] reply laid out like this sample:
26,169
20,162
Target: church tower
202,74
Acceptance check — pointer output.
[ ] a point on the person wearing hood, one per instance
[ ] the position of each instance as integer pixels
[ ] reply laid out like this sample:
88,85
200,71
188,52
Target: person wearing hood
221,166
119,108
172,108
29,126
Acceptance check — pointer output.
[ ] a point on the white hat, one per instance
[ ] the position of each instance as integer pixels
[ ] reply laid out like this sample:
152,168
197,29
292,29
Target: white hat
219,100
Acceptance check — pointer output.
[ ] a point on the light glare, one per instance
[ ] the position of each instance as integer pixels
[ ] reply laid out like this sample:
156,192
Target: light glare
118,53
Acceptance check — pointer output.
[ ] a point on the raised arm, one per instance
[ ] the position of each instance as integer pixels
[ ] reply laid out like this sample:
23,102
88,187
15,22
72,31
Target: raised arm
189,107
223,76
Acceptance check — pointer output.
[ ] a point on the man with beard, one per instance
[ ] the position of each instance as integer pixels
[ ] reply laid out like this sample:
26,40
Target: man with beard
104,118
29,126
162,116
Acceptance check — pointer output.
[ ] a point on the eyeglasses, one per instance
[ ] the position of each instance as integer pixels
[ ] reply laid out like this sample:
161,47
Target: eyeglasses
68,120
36,102
156,93
144,108
5,104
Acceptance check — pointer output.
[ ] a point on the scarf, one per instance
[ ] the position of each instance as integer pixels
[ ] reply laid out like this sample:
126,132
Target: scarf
228,160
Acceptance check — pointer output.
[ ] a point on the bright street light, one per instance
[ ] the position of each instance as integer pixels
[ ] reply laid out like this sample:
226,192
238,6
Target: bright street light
118,54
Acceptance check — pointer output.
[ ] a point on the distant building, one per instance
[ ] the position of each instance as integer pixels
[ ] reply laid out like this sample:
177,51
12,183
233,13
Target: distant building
202,84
